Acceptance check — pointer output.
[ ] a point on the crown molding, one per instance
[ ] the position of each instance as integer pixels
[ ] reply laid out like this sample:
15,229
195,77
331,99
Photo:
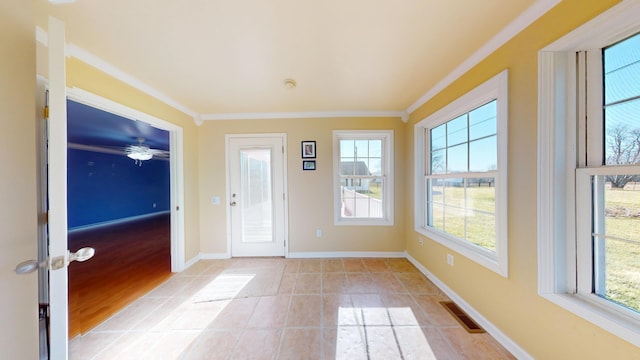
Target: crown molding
525,19
72,50
93,60
534,12
305,115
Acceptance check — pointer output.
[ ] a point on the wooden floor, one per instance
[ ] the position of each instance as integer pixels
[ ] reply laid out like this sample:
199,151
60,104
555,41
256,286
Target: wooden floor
130,260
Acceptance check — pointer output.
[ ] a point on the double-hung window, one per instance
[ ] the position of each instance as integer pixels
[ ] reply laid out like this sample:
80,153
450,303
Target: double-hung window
363,177
461,167
589,194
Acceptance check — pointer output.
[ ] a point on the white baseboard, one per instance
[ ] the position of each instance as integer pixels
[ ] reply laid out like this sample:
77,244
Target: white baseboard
504,340
346,254
214,256
115,222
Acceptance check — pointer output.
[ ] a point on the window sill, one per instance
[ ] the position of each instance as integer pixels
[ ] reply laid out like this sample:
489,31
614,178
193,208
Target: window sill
475,253
610,320
363,222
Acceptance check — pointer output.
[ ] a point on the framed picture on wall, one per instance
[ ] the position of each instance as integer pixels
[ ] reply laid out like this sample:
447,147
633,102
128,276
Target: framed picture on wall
309,165
309,149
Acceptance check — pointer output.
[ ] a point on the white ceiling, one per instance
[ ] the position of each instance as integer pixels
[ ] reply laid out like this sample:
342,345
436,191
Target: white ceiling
226,59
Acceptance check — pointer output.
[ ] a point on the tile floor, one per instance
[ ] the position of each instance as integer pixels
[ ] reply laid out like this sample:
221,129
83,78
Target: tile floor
274,308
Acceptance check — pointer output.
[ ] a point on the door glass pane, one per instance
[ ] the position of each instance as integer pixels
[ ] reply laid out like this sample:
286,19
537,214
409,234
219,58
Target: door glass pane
255,199
616,240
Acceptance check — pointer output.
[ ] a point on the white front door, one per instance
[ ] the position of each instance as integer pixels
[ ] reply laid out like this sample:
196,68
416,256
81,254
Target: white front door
256,194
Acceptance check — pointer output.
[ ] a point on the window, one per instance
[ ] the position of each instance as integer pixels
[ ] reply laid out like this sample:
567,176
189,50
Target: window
589,183
461,170
363,177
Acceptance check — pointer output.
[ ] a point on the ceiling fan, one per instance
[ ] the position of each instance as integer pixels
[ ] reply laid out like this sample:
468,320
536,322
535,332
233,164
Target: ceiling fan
141,152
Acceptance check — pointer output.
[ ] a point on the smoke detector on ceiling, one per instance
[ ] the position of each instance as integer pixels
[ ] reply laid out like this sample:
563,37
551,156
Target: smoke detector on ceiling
289,83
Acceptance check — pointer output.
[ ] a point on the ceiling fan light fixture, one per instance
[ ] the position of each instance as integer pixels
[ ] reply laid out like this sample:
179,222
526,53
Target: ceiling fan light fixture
139,152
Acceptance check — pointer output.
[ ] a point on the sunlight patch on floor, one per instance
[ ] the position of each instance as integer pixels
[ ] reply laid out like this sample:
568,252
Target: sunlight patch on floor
380,333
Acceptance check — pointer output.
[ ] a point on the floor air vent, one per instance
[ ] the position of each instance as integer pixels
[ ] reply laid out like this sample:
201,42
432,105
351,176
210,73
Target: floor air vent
464,319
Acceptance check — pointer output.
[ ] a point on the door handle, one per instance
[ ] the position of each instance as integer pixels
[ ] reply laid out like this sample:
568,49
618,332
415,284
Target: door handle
233,200
56,262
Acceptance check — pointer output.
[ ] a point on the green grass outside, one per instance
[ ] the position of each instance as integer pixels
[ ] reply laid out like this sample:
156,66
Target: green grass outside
478,217
622,257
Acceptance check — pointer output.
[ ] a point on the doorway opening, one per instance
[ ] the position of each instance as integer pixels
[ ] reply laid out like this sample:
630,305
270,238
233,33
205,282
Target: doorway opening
126,206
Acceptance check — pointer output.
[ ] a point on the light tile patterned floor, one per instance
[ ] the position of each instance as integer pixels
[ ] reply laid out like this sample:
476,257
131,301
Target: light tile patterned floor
274,308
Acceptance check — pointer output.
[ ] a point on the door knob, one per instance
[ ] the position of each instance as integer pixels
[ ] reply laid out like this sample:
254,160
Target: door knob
55,263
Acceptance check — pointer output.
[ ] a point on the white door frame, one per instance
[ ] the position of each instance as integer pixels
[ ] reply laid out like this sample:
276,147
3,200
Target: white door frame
57,179
228,138
176,167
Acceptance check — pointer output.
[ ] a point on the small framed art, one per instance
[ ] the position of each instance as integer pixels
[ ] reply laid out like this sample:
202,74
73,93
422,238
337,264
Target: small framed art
308,149
308,165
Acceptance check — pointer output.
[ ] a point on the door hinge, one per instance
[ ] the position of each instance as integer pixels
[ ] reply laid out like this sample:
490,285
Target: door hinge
46,105
283,149
43,311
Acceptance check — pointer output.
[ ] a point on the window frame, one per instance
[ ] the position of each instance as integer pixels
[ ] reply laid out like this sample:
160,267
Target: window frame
564,170
495,88
387,174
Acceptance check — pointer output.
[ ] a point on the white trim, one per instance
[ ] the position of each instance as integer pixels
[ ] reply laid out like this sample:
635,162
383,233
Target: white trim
213,256
102,224
91,59
494,88
525,19
87,98
346,254
191,262
57,193
176,163
305,115
285,175
42,36
557,162
493,330
388,160
72,50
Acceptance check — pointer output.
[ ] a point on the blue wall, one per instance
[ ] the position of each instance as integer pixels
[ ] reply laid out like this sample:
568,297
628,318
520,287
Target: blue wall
105,187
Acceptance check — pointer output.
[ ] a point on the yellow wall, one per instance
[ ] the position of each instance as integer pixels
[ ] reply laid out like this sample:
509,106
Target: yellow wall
540,327
310,192
18,220
85,77
512,304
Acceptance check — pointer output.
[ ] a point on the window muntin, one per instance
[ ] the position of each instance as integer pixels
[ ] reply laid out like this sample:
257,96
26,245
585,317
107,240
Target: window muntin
363,177
565,190
621,68
461,175
464,206
609,265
